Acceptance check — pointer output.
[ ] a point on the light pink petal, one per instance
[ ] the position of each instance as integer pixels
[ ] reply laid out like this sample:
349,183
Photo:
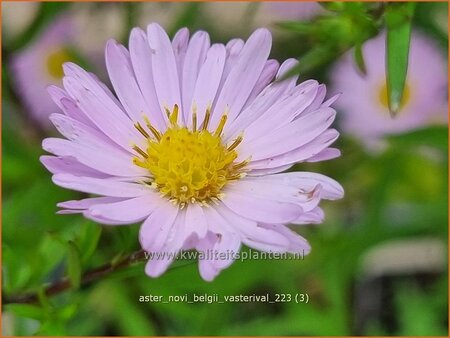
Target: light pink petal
207,83
243,76
98,219
100,159
158,265
67,105
331,100
269,71
271,190
90,80
69,165
207,270
164,68
180,44
101,110
141,59
105,89
297,244
318,100
227,246
57,94
234,48
70,108
260,209
285,67
124,82
87,202
128,211
75,130
284,111
100,186
268,97
292,136
157,228
315,216
324,155
196,220
307,181
269,171
248,230
195,57
303,153
206,264
223,248
227,239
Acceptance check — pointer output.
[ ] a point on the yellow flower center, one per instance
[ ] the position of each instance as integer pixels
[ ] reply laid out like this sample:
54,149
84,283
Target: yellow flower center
189,166
55,60
383,96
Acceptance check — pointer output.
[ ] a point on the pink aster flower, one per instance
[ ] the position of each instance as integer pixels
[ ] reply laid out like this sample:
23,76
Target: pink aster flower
294,10
194,146
364,106
40,64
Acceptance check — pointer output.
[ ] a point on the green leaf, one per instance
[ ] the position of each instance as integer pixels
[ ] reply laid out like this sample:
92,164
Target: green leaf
436,136
298,27
74,264
187,17
26,310
359,58
315,57
398,22
333,6
89,237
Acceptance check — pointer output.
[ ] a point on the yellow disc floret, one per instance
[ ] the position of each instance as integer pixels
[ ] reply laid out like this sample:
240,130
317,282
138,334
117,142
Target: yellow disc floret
55,60
383,96
189,166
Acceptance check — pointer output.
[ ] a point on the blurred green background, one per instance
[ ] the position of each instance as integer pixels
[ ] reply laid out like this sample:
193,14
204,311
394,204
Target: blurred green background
379,261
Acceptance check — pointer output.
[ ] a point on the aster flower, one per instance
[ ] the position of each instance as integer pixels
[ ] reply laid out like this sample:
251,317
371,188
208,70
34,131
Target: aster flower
294,10
364,104
194,146
35,67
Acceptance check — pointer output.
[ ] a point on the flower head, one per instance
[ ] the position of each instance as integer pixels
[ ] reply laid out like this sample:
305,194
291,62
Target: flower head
194,145
39,64
295,10
364,103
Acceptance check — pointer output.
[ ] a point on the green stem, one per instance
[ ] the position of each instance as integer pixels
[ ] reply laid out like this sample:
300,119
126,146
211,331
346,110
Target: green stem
92,275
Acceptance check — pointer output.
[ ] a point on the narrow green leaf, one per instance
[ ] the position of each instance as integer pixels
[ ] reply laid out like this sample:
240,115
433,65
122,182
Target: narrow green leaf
74,264
26,310
359,58
89,238
333,6
398,22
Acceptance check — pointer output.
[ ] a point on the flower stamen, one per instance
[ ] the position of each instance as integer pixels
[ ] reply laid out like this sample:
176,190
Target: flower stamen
141,129
236,142
189,166
154,131
207,117
194,118
140,151
222,122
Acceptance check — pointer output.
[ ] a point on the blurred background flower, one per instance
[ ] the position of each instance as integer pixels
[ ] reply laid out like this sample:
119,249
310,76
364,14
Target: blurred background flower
364,101
40,65
292,10
379,264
